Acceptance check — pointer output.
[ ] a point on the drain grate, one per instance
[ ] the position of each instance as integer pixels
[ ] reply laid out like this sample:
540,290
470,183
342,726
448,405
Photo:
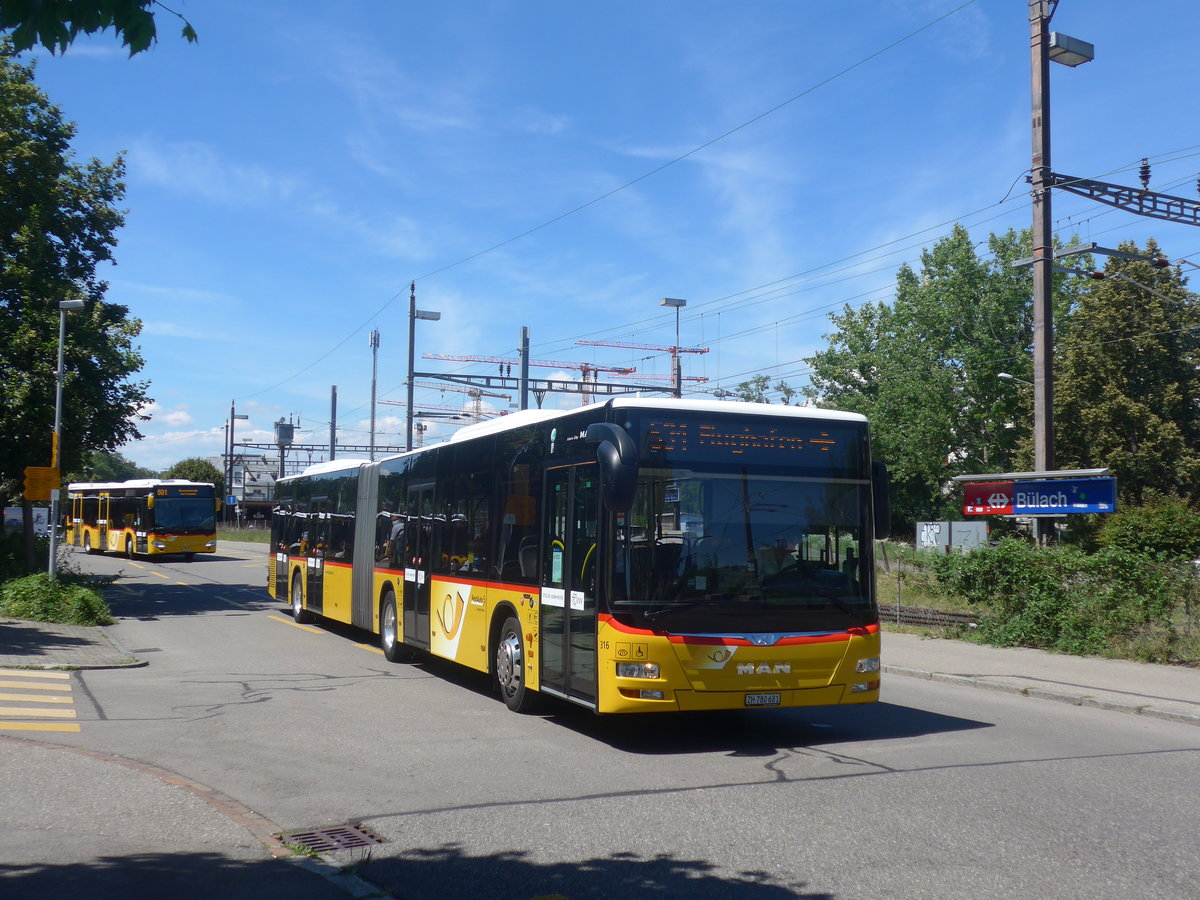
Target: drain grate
327,840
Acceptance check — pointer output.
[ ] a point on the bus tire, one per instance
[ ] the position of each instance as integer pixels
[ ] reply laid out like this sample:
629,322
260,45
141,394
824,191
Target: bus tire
389,630
299,614
510,668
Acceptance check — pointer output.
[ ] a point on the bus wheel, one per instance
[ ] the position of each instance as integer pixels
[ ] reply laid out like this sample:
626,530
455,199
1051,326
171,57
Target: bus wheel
129,548
299,613
510,668
389,630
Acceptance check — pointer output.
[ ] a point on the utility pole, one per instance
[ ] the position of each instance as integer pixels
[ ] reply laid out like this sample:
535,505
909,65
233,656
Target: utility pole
523,393
333,421
1043,250
374,373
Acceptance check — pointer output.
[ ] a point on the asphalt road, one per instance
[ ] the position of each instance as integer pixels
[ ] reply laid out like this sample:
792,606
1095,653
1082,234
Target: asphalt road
938,791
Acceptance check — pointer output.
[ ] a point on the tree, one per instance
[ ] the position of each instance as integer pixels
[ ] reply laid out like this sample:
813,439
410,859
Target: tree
55,25
1128,383
924,369
757,388
103,465
196,469
58,223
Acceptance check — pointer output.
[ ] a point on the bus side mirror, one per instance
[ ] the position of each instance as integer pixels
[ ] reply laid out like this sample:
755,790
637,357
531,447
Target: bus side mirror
881,500
617,457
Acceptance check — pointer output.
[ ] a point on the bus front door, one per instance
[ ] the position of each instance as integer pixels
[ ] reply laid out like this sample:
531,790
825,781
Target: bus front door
568,604
418,557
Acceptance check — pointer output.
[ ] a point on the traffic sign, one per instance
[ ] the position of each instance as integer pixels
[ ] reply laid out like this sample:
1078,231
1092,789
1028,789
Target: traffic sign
1050,497
40,481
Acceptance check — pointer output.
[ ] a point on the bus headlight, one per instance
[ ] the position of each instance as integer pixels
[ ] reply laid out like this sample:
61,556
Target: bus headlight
863,686
159,545
211,545
870,664
637,670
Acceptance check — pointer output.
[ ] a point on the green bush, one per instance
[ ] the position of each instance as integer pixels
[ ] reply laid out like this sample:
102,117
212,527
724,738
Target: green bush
40,598
1163,527
1062,599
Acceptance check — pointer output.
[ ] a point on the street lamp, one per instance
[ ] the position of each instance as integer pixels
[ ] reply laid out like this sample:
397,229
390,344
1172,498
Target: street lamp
233,417
675,361
1006,377
63,306
413,315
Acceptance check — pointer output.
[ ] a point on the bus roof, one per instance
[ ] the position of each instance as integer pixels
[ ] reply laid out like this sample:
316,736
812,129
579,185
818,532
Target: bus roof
665,404
333,465
147,483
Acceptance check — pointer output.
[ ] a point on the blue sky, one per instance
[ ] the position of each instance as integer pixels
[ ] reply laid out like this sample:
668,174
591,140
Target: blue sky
564,165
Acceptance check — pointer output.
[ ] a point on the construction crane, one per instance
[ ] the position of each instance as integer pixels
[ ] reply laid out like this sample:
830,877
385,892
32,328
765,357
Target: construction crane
670,379
476,395
441,411
661,348
508,363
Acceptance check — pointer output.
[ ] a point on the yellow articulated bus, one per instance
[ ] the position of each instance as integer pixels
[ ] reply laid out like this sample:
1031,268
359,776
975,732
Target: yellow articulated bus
632,556
145,516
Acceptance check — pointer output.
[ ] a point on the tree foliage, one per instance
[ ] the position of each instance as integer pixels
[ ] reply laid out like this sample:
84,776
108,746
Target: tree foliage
54,24
104,465
925,369
196,469
58,223
1128,382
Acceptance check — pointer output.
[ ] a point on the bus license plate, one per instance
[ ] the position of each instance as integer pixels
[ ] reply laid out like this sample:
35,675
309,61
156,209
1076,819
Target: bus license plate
763,699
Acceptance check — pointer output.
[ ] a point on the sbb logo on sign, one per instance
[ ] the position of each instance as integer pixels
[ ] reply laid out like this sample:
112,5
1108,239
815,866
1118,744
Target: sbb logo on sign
988,499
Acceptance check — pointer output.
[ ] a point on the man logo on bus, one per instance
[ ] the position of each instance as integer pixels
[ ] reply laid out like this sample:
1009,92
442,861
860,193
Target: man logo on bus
764,669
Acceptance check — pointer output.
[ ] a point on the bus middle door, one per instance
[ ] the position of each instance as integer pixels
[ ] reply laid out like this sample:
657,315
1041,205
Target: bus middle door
418,558
568,604
318,537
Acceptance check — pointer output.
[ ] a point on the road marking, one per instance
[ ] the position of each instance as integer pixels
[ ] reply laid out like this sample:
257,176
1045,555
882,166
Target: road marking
135,565
33,686
34,673
294,625
161,575
28,680
369,648
39,726
36,697
37,711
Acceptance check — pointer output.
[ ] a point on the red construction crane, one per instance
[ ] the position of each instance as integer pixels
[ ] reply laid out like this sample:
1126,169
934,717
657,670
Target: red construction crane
662,348
668,378
585,368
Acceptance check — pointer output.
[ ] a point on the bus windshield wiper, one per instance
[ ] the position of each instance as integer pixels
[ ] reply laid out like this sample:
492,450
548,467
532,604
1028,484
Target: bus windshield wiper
652,615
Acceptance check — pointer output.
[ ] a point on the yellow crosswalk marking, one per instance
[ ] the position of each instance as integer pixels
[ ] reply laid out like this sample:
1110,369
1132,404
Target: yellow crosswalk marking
39,699
39,726
36,712
32,686
35,673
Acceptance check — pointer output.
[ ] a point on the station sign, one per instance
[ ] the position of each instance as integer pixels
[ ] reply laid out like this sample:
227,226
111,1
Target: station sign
1051,497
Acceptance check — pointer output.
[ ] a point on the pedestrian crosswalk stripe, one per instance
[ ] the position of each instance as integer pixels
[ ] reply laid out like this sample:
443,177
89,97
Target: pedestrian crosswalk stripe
39,726
37,712
34,673
40,698
33,686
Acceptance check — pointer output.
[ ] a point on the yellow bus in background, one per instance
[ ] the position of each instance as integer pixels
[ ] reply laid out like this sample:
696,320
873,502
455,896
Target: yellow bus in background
145,517
631,556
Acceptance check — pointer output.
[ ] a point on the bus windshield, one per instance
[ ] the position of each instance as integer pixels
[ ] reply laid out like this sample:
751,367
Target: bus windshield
725,551
185,515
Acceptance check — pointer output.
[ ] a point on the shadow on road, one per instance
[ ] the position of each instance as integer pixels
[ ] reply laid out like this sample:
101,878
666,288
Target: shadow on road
760,732
448,872
148,601
180,876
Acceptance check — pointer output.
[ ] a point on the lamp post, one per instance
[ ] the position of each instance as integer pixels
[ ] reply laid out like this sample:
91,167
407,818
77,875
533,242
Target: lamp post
63,306
676,364
233,417
413,315
1045,46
